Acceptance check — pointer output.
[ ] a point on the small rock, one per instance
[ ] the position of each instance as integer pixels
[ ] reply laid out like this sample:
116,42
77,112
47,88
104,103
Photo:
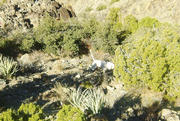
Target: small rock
37,75
25,59
22,79
169,115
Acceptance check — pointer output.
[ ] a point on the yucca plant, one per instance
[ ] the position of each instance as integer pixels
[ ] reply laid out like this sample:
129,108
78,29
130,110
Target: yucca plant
88,100
95,101
7,67
78,99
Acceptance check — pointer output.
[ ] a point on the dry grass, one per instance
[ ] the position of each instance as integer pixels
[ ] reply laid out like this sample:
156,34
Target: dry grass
62,93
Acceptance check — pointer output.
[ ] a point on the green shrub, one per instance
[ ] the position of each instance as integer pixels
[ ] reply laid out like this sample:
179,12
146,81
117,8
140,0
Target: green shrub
113,1
111,33
151,58
59,37
114,18
106,39
30,112
17,43
131,23
26,112
51,36
47,35
72,40
8,46
101,7
28,43
90,27
149,22
88,9
70,113
9,115
86,85
3,2
108,35
114,15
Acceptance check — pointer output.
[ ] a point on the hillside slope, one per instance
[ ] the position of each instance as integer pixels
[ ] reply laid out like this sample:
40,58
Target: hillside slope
164,10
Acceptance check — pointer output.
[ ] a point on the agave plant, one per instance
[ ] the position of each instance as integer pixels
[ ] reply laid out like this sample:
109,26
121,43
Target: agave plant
78,99
88,100
7,67
95,100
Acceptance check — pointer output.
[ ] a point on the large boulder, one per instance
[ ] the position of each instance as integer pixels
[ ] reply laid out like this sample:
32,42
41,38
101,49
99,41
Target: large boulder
26,14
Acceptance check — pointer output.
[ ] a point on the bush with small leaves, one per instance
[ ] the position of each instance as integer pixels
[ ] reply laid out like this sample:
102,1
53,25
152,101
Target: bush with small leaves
72,41
70,113
110,33
30,112
114,1
149,22
47,35
107,39
17,43
28,43
26,112
151,58
2,2
9,46
9,115
101,7
114,18
130,23
90,27
59,37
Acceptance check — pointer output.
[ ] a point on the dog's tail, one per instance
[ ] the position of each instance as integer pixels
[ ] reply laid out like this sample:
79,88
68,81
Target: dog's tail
91,55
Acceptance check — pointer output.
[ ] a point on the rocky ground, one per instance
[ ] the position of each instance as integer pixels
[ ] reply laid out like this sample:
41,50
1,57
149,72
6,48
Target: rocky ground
27,14
39,72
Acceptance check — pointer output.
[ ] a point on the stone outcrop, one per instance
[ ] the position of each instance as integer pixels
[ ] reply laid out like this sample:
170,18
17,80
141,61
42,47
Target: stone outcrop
25,14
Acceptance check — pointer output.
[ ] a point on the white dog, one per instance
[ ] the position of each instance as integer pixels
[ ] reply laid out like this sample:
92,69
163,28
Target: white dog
101,64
